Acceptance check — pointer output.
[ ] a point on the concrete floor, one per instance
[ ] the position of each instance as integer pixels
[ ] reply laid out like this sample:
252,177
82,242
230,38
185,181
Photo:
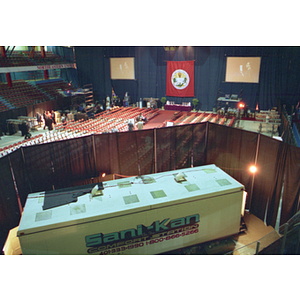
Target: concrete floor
268,129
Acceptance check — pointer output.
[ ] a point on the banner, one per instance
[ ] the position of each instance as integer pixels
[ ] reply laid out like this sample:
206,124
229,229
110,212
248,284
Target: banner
180,79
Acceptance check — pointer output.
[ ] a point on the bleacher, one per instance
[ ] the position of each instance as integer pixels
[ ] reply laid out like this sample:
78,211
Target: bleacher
52,87
183,118
49,59
21,94
17,59
21,59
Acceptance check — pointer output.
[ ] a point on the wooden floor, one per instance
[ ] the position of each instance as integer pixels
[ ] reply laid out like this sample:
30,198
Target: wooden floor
256,230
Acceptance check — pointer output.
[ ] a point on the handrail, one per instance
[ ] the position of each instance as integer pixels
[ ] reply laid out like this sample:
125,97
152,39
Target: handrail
285,238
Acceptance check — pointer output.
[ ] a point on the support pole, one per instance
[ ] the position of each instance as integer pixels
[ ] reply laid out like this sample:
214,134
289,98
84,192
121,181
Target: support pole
95,155
8,77
298,242
253,177
206,141
257,247
3,53
284,237
24,162
43,53
155,152
16,188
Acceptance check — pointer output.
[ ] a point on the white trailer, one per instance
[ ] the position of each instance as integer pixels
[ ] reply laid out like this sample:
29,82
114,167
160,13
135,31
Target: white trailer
148,214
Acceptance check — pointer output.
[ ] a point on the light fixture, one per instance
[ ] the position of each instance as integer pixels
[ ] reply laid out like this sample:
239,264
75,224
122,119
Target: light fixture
241,105
253,169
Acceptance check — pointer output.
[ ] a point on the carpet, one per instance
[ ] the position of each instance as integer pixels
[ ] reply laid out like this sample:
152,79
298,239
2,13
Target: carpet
159,119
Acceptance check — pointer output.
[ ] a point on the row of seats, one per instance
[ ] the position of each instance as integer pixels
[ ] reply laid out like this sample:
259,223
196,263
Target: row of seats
21,58
22,93
16,60
3,107
103,123
195,117
50,58
52,87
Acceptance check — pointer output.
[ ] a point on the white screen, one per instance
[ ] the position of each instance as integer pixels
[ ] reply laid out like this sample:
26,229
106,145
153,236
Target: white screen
122,68
242,69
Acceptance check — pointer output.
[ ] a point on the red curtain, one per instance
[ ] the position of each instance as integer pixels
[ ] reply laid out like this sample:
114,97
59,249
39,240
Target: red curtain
180,79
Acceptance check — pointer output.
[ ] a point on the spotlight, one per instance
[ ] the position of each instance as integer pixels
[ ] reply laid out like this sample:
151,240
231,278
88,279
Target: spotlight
241,105
253,169
103,175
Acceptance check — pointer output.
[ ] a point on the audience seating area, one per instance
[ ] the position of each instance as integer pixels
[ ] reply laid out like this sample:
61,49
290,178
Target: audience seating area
23,93
49,59
3,106
17,59
108,120
105,121
182,118
21,59
52,87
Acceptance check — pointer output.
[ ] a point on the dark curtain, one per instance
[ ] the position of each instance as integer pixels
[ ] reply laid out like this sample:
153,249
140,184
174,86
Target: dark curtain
198,143
9,209
279,77
91,69
72,160
145,151
268,179
147,68
233,150
183,146
165,149
21,176
106,148
38,166
291,190
276,189
58,165
128,154
67,53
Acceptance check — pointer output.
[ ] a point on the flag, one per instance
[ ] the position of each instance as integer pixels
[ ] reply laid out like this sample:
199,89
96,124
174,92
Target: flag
180,78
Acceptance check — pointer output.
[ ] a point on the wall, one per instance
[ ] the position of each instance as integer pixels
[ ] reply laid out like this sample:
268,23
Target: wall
279,76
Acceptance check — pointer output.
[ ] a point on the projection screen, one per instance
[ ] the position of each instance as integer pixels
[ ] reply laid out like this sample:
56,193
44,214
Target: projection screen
242,69
122,68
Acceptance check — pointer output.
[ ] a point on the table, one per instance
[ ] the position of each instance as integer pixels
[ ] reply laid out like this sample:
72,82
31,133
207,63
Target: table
178,107
223,99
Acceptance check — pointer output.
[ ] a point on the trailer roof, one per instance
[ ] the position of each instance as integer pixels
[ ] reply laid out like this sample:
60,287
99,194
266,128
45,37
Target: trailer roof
127,196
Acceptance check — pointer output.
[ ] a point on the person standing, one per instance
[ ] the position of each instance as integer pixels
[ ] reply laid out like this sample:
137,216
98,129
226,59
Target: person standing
140,124
45,118
39,118
130,126
53,116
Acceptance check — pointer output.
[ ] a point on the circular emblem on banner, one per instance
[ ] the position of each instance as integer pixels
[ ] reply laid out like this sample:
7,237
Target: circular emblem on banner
180,79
